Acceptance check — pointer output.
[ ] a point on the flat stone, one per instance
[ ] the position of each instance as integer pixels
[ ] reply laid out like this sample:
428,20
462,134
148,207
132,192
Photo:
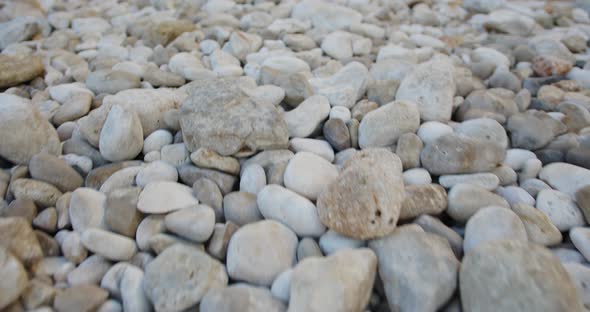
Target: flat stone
180,276
293,210
23,131
306,118
121,137
90,271
427,286
109,245
42,193
156,171
259,251
517,275
365,199
207,158
435,226
580,237
237,125
87,209
121,215
165,196
344,279
409,147
533,129
318,147
111,81
241,208
488,181
346,86
50,169
580,275
17,69
14,278
383,127
190,174
565,177
560,208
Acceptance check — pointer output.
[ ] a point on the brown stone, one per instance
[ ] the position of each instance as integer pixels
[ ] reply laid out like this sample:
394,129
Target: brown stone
17,69
423,199
18,237
83,298
546,66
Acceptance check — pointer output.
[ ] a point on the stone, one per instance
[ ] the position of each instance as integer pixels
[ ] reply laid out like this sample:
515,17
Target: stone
517,274
293,210
87,209
533,129
166,31
156,140
509,22
17,69
46,220
132,293
159,78
318,147
435,226
175,154
193,223
309,174
156,171
455,153
241,208
580,275
306,118
308,247
409,147
423,199
485,130
237,125
466,199
24,208
109,245
23,131
121,215
208,193
50,169
326,15
432,86
383,127
345,279
538,226
120,179
580,237
207,158
346,86
488,181
565,177
253,179
14,278
289,73
337,134
493,223
222,233
417,176
71,246
165,196
240,296
365,199
259,251
582,197
560,208
19,239
121,137
180,276
418,269
90,271
38,293
42,193
111,81
82,298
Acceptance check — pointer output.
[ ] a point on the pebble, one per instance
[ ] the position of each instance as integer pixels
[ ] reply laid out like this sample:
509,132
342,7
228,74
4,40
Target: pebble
488,181
90,271
50,169
256,257
560,208
241,208
111,81
207,158
423,199
293,210
194,223
156,140
87,209
435,226
248,298
42,193
565,177
329,276
512,264
580,237
466,199
121,137
222,233
17,69
417,176
432,130
331,242
407,286
337,134
493,223
165,196
252,179
309,174
409,147
156,171
80,298
15,279
515,195
537,224
208,193
109,245
383,127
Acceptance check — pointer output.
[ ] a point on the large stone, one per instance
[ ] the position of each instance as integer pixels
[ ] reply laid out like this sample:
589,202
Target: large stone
23,131
538,226
259,251
345,87
306,118
418,269
384,126
14,278
432,86
309,174
165,196
16,69
533,129
491,224
220,116
344,280
466,199
366,198
180,276
240,297
455,153
565,177
560,209
515,276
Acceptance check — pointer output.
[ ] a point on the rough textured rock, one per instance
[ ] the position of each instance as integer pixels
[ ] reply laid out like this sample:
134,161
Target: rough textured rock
423,199
17,236
366,198
508,275
220,116
16,69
